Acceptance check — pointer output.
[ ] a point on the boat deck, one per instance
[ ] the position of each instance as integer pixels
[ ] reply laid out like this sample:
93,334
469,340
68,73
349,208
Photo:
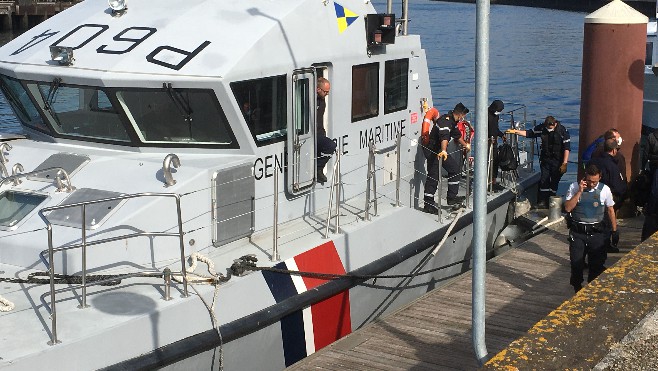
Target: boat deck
524,285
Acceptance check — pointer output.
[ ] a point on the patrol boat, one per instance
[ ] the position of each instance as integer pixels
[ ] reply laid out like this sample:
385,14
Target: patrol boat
164,193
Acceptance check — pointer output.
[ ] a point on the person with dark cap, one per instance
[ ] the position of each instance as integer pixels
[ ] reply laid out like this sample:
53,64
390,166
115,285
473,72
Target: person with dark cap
613,178
444,142
494,111
553,157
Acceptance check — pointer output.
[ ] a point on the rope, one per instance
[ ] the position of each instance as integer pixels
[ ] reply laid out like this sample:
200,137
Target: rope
33,278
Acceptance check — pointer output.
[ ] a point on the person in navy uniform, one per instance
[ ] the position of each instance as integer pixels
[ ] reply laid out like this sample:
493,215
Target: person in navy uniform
555,147
495,109
444,142
613,178
326,146
587,202
650,225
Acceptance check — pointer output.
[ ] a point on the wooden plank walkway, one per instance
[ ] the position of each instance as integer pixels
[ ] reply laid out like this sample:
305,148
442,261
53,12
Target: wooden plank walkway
524,285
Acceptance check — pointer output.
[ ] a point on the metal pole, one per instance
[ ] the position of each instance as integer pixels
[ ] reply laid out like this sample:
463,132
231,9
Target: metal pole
405,17
369,175
275,221
389,6
480,197
440,184
397,178
490,166
337,192
182,246
84,257
468,181
51,272
374,179
331,196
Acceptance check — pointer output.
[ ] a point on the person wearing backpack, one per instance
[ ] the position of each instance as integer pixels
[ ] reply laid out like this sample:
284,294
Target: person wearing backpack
553,157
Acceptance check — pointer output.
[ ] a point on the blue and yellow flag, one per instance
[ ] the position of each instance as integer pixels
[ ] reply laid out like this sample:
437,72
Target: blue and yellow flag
344,17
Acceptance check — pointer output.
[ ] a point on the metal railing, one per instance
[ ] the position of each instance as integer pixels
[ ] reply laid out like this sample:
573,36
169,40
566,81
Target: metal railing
84,244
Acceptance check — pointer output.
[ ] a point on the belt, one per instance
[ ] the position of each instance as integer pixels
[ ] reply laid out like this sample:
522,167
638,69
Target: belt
587,228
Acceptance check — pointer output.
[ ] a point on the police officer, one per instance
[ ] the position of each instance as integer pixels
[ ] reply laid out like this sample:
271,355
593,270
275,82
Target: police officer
555,147
444,142
587,201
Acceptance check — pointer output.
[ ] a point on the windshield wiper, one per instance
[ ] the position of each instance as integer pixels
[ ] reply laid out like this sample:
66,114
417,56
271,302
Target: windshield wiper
181,102
50,98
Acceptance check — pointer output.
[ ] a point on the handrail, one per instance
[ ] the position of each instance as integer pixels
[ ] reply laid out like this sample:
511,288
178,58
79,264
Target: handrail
84,244
15,177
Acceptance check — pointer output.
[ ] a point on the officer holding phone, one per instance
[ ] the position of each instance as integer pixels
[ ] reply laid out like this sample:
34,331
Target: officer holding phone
586,202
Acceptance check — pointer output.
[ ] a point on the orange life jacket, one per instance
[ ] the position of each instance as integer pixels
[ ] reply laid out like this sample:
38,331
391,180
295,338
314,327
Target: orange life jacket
431,116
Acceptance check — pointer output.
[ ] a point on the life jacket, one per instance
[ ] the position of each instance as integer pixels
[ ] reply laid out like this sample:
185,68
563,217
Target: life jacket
589,209
551,143
466,131
428,121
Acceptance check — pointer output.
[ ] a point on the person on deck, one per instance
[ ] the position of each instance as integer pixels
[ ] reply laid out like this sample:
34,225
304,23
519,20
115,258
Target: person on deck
326,147
650,225
494,133
586,202
595,149
443,142
553,157
613,178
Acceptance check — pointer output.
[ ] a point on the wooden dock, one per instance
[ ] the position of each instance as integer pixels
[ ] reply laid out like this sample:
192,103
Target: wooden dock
523,284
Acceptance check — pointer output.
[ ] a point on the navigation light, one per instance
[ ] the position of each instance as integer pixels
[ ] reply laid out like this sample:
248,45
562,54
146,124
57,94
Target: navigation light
118,6
62,54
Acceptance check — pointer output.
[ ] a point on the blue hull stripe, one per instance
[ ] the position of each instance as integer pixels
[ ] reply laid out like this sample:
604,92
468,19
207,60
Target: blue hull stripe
292,325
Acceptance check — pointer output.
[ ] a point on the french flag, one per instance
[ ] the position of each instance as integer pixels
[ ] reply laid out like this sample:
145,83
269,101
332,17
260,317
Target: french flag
312,328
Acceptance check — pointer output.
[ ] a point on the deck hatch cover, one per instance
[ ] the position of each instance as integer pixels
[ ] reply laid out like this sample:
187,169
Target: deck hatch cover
96,214
70,162
15,206
233,203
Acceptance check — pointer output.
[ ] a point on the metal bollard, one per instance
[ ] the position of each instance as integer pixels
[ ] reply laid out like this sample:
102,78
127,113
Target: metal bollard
166,274
554,208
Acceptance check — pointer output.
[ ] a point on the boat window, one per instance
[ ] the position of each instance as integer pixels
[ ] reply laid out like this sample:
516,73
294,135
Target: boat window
649,56
81,111
396,81
21,104
263,106
181,116
365,91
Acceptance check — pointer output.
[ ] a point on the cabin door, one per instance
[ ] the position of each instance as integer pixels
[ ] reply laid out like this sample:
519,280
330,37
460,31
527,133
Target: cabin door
301,131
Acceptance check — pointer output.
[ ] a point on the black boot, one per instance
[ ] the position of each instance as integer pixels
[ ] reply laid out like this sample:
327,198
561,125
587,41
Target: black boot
321,177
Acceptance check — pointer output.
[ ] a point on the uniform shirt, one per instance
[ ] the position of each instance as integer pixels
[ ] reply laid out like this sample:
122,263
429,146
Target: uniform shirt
610,173
445,128
319,116
541,131
606,194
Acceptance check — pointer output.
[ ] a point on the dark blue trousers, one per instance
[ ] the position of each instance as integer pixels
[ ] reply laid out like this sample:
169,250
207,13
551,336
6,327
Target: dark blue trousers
326,147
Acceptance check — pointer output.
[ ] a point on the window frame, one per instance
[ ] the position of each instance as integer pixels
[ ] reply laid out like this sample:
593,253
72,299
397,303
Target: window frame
404,79
367,103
